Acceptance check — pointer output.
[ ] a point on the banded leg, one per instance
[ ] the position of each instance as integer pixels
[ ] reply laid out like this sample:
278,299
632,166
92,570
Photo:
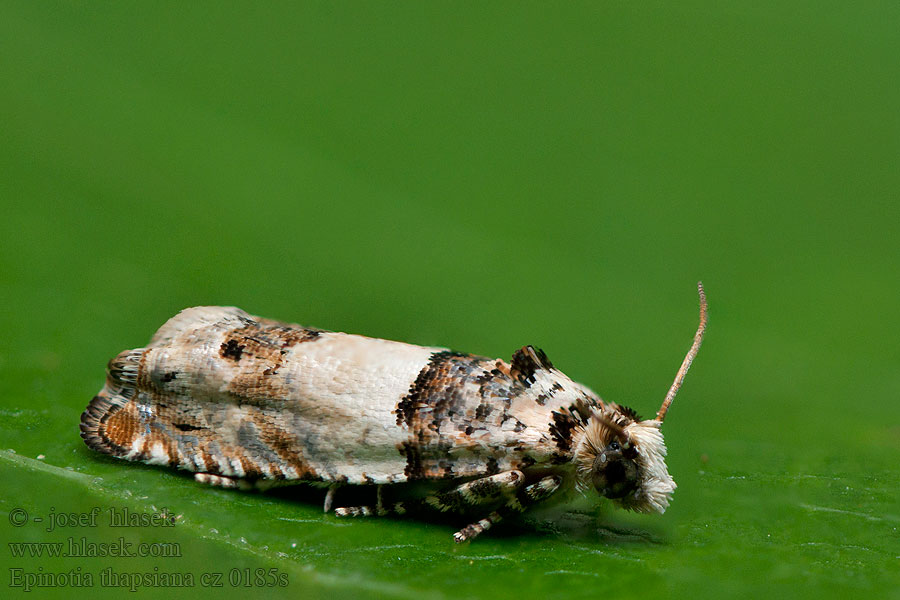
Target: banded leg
485,490
223,481
477,492
538,491
472,531
531,495
239,483
379,510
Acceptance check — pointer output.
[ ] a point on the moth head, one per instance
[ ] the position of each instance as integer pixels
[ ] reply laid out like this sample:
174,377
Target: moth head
624,459
622,456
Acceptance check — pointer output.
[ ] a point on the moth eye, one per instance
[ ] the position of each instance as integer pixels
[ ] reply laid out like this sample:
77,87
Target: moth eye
614,445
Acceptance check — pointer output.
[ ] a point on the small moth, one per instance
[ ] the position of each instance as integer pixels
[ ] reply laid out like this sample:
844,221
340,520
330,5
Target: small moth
247,402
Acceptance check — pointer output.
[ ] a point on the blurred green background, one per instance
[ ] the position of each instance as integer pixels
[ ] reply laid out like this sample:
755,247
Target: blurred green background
479,176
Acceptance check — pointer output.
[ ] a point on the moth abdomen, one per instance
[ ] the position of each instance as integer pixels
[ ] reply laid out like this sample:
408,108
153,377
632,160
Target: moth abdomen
93,427
124,369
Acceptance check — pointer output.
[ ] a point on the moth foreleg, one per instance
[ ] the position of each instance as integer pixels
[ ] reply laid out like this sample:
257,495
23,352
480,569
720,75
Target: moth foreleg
535,493
477,492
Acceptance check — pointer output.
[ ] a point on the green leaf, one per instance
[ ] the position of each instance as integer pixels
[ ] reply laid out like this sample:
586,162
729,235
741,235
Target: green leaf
481,177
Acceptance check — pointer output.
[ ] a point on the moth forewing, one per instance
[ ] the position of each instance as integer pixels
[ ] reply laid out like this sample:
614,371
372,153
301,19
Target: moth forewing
243,401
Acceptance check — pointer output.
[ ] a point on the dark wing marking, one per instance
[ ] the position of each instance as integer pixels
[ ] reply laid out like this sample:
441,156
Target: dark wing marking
455,399
526,361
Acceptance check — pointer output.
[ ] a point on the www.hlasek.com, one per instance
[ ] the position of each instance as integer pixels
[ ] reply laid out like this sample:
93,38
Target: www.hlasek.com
82,548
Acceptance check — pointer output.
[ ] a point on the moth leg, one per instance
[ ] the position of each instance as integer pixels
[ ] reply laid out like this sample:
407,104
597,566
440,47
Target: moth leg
329,496
397,508
531,495
354,511
223,481
472,531
535,493
477,492
379,510
379,503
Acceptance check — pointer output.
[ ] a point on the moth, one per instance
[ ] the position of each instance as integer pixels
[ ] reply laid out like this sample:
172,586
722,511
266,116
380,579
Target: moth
243,401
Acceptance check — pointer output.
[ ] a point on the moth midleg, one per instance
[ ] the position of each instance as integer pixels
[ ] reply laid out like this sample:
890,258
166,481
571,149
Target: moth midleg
477,492
472,531
529,496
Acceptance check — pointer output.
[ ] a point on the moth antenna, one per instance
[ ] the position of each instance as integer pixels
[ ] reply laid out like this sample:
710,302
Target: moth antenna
695,347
